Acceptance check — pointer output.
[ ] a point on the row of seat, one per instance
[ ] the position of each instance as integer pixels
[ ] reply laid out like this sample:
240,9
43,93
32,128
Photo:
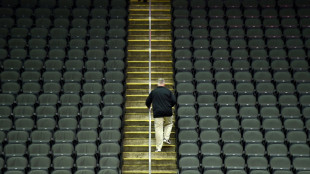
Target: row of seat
291,34
90,135
28,124
50,111
60,65
246,112
63,163
242,65
64,4
243,88
95,32
55,76
78,171
250,149
75,33
235,13
57,149
237,164
62,13
251,23
60,53
239,76
246,124
251,54
239,4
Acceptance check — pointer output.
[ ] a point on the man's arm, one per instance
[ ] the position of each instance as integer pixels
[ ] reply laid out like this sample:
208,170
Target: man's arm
148,101
173,100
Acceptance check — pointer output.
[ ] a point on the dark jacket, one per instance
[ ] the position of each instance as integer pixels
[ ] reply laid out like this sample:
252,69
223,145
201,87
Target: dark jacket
163,100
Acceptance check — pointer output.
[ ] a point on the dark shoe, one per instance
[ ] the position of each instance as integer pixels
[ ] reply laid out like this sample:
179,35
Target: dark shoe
167,141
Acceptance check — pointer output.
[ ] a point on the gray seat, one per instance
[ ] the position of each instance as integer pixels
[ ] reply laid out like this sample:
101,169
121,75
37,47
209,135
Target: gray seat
274,137
231,136
232,149
255,149
112,111
188,163
188,136
16,163
12,64
210,149
188,149
259,163
70,99
86,162
299,150
48,99
296,137
52,88
63,162
14,150
109,163
275,150
38,150
110,123
17,137
187,123
51,76
211,162
186,100
113,99
87,136
229,124
89,111
89,123
301,164
234,162
227,112
62,149
23,111
25,124
252,137
208,123
64,136
5,111
41,136
71,88
46,124
186,111
10,88
83,149
109,149
209,136
250,124
67,124
40,162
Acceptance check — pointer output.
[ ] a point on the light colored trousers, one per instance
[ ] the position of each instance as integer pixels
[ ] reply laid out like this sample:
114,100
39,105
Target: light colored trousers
163,127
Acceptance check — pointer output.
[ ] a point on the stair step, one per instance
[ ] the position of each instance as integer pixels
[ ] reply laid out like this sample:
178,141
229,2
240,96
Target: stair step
139,91
145,142
145,17
155,64
146,38
146,82
146,48
146,26
155,33
145,155
145,75
134,85
139,169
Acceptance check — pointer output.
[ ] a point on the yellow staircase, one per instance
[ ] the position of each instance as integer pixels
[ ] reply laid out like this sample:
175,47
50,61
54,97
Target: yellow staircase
135,143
